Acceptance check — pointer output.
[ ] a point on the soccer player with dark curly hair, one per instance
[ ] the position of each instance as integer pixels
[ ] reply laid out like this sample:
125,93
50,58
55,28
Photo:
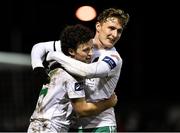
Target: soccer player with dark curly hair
63,98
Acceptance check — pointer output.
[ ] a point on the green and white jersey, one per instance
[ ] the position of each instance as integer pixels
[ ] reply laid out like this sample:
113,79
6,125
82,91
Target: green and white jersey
54,99
102,88
102,78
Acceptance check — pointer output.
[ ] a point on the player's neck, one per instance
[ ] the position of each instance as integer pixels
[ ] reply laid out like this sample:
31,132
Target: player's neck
97,43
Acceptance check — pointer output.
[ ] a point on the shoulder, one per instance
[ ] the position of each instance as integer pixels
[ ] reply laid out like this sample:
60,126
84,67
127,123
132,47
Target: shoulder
111,57
111,53
64,75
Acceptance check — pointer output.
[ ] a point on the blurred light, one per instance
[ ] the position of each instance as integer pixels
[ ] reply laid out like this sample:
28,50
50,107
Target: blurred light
86,13
15,58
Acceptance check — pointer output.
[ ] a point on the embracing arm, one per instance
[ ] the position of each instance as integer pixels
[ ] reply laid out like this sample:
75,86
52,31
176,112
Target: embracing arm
83,108
37,56
96,69
38,52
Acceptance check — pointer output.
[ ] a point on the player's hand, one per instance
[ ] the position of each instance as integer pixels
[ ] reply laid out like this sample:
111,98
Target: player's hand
113,99
40,75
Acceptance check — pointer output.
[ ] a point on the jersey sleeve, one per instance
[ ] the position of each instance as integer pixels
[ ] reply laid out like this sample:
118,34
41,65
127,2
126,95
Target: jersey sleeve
38,53
101,68
75,90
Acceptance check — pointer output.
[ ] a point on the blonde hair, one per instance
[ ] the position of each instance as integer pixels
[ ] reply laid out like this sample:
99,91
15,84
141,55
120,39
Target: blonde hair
112,12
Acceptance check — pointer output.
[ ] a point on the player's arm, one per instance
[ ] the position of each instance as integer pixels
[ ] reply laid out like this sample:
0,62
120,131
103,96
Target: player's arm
38,52
84,108
37,56
96,69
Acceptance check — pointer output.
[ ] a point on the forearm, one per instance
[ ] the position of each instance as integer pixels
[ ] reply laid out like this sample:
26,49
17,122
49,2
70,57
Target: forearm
95,108
84,109
97,69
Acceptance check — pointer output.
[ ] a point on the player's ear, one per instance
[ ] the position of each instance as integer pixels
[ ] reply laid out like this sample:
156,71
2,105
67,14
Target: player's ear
71,52
98,26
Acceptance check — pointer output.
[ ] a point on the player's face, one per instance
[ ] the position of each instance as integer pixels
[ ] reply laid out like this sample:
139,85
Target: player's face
84,52
109,32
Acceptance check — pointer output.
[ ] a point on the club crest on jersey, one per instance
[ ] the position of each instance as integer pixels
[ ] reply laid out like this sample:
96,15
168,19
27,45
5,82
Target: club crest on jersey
78,86
109,61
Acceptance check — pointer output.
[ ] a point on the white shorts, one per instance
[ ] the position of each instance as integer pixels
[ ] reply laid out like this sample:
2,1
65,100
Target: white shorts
37,126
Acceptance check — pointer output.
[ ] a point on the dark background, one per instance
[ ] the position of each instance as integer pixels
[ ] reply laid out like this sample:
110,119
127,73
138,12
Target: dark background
147,89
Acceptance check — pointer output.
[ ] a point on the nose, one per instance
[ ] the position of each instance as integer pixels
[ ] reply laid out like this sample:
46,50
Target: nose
90,52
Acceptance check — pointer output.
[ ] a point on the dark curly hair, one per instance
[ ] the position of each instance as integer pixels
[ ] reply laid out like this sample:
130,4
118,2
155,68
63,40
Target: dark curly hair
112,12
74,35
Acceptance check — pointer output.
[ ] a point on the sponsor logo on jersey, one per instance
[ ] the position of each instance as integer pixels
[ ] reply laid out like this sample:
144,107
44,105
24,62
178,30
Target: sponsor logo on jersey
109,61
79,86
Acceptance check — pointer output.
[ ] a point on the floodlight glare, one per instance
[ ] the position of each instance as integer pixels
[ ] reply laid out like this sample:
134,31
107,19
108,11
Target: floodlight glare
86,13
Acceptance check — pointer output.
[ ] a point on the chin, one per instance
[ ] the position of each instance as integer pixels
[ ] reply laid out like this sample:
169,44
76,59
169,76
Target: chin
108,45
87,61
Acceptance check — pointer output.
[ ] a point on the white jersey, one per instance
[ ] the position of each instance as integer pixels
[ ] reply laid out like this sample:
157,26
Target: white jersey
105,85
102,78
102,88
54,104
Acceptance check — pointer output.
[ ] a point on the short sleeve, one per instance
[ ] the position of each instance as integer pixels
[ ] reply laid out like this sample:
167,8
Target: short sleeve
75,89
112,59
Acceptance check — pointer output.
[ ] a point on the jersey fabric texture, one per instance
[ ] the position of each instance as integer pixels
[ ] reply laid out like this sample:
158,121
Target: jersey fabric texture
107,73
54,110
102,88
